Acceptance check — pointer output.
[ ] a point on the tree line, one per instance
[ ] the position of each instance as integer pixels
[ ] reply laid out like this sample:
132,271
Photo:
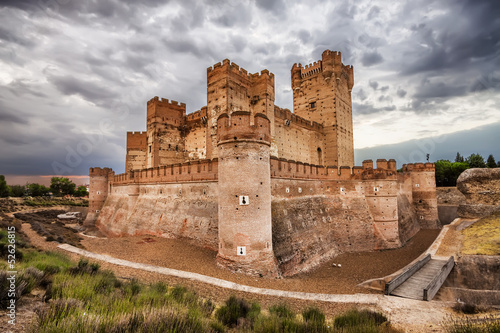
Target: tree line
59,187
447,172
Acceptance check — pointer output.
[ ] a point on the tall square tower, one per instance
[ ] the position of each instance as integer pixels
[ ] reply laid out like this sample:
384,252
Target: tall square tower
322,93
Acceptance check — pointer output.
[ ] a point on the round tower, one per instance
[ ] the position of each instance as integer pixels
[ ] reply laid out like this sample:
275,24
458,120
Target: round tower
98,192
424,194
245,226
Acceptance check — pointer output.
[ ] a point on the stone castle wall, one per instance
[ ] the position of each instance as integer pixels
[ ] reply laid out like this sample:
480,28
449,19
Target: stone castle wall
317,212
173,210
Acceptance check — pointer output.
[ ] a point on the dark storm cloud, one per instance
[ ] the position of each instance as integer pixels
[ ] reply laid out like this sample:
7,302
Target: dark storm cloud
23,87
458,38
431,89
368,108
304,36
89,90
275,6
373,13
11,37
401,92
371,58
373,84
361,94
8,115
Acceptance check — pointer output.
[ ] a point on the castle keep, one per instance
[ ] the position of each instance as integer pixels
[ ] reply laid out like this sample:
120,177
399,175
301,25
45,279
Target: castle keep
274,192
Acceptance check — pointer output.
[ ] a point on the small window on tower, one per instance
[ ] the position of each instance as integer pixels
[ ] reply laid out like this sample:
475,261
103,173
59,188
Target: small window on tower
149,148
312,105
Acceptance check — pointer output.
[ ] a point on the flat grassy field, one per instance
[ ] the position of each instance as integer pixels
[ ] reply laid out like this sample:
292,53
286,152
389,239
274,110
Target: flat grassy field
483,237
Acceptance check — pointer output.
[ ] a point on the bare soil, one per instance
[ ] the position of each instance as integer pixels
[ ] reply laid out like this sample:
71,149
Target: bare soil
449,196
182,255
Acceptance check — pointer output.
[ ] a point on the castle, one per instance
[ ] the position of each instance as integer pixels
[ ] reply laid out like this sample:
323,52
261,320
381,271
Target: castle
273,192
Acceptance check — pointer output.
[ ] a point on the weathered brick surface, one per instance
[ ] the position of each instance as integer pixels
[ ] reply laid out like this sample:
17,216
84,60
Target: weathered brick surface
167,210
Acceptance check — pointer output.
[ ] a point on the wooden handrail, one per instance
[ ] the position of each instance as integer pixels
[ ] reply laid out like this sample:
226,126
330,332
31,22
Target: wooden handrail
433,287
398,280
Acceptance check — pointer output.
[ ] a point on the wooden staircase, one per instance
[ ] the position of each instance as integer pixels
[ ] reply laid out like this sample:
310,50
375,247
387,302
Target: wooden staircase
422,280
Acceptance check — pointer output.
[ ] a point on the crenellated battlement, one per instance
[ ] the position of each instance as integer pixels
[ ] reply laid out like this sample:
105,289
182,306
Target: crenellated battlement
230,67
197,115
285,114
238,126
283,168
311,69
163,101
419,167
201,170
106,172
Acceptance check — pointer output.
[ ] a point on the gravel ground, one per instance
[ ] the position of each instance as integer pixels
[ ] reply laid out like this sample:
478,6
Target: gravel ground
182,255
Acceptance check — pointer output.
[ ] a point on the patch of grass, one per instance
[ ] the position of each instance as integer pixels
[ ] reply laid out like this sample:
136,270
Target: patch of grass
281,311
313,315
48,262
367,320
483,238
489,324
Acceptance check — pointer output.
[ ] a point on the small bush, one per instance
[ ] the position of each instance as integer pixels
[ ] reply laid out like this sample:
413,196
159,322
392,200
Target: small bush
467,308
83,267
234,309
217,327
160,287
133,287
178,293
360,318
281,311
313,315
106,282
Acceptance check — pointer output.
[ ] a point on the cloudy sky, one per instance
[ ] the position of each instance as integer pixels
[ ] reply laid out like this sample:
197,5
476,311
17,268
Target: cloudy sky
75,75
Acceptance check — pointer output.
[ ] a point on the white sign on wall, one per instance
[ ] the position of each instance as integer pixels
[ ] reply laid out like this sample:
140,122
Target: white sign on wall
243,200
242,250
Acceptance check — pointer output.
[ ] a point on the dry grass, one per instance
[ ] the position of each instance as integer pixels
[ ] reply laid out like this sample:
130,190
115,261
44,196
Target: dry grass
483,237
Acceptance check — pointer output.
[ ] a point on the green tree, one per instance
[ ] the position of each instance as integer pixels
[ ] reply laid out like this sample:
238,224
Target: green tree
4,188
81,191
476,161
490,162
17,190
37,190
62,186
459,158
447,172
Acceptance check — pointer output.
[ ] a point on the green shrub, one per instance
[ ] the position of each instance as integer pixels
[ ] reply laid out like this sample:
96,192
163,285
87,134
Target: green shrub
159,287
360,318
313,315
281,311
234,309
83,267
133,287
